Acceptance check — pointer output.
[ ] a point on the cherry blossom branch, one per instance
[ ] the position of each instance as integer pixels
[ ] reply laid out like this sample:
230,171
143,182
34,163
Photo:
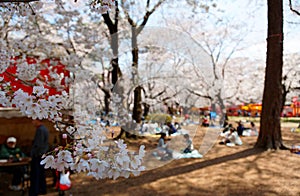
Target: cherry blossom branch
23,81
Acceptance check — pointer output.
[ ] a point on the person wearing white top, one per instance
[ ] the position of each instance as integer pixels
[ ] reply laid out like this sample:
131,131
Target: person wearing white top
252,131
234,138
231,138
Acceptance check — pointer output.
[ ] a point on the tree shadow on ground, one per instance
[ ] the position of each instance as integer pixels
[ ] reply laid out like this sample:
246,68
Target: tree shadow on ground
160,173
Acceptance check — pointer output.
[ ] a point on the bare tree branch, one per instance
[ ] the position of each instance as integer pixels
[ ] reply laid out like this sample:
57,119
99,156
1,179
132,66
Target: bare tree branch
292,9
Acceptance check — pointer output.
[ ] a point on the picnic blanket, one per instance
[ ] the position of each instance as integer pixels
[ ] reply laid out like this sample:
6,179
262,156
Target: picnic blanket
193,154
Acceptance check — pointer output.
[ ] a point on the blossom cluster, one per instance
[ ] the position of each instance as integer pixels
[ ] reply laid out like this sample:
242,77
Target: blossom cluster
103,6
35,106
5,56
90,150
25,8
110,159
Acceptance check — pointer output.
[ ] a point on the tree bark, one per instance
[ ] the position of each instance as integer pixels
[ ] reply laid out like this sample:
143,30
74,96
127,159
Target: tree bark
137,106
270,130
146,109
114,44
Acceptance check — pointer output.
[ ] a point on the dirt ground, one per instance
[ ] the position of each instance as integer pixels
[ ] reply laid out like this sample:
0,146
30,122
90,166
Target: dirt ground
239,170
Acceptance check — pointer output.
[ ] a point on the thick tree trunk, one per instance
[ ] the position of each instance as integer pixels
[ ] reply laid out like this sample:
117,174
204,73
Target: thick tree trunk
270,130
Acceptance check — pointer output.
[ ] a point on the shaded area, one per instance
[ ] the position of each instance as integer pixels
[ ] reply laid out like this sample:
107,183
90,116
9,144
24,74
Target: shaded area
157,174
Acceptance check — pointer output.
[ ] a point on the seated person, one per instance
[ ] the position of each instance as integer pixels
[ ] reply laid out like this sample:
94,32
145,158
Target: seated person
186,119
189,144
240,128
231,138
177,126
226,128
225,124
296,130
163,152
252,131
12,153
205,121
171,127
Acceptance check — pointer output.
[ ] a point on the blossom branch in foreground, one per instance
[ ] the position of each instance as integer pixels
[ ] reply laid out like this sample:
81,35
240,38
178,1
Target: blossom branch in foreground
109,160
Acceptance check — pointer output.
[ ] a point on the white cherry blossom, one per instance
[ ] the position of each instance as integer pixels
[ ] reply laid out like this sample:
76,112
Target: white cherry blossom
81,166
135,162
64,155
49,161
114,173
39,90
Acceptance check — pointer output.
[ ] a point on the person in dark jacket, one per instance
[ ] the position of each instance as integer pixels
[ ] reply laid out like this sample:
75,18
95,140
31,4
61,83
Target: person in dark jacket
40,146
240,128
12,153
171,127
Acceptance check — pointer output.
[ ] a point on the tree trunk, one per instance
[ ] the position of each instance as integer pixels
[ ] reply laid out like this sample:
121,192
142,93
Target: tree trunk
126,132
106,102
285,91
146,109
270,130
114,44
222,110
115,49
137,106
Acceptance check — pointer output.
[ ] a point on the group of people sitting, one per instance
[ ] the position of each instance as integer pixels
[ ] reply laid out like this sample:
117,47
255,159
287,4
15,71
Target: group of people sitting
231,136
245,131
164,152
156,128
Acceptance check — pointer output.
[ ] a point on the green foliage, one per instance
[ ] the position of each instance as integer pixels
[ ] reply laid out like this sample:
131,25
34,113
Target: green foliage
291,119
159,118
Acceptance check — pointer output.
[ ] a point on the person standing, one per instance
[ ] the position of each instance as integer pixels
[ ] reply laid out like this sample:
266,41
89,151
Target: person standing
40,146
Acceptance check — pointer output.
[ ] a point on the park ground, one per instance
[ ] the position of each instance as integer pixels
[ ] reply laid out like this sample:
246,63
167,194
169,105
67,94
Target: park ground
240,170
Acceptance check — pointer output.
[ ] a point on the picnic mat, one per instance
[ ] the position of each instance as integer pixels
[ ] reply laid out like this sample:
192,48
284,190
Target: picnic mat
193,154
